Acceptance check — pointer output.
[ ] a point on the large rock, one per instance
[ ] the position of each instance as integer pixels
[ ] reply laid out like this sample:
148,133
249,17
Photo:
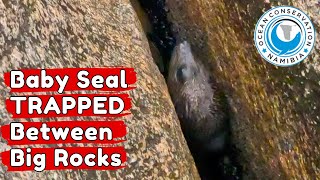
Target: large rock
275,110
96,33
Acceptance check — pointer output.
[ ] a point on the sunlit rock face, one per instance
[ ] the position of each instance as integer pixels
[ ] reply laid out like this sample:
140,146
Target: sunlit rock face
275,110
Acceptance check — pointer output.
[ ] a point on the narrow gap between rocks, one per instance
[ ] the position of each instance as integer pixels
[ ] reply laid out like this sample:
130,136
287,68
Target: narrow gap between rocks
153,17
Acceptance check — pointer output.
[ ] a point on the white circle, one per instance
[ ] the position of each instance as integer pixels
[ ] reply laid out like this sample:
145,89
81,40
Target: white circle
293,32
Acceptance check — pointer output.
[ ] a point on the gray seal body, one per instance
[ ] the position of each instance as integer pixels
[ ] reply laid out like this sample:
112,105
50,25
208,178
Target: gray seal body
198,104
196,100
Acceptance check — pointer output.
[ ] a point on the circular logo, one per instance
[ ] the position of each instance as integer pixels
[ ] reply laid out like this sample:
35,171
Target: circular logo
284,36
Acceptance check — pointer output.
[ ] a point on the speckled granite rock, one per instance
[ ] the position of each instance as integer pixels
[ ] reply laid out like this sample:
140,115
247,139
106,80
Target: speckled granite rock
94,33
276,110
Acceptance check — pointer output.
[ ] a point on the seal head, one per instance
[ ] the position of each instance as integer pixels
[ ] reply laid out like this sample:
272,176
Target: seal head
195,99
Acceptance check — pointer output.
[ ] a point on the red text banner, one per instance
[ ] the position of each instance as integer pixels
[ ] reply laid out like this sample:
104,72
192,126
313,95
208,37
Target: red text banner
105,105
97,132
40,159
71,79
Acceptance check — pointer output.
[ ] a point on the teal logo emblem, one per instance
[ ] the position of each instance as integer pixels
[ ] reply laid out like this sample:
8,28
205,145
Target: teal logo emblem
284,36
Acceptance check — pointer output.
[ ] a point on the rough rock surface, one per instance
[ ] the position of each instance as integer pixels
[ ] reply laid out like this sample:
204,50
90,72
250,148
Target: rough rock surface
96,33
275,110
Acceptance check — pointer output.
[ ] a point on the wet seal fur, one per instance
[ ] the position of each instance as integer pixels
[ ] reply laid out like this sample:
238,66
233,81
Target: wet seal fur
200,108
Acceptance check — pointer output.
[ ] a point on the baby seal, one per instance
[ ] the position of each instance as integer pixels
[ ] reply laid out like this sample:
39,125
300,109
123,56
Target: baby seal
198,104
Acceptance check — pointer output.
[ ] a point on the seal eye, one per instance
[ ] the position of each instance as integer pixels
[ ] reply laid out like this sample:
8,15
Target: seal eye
181,74
184,73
